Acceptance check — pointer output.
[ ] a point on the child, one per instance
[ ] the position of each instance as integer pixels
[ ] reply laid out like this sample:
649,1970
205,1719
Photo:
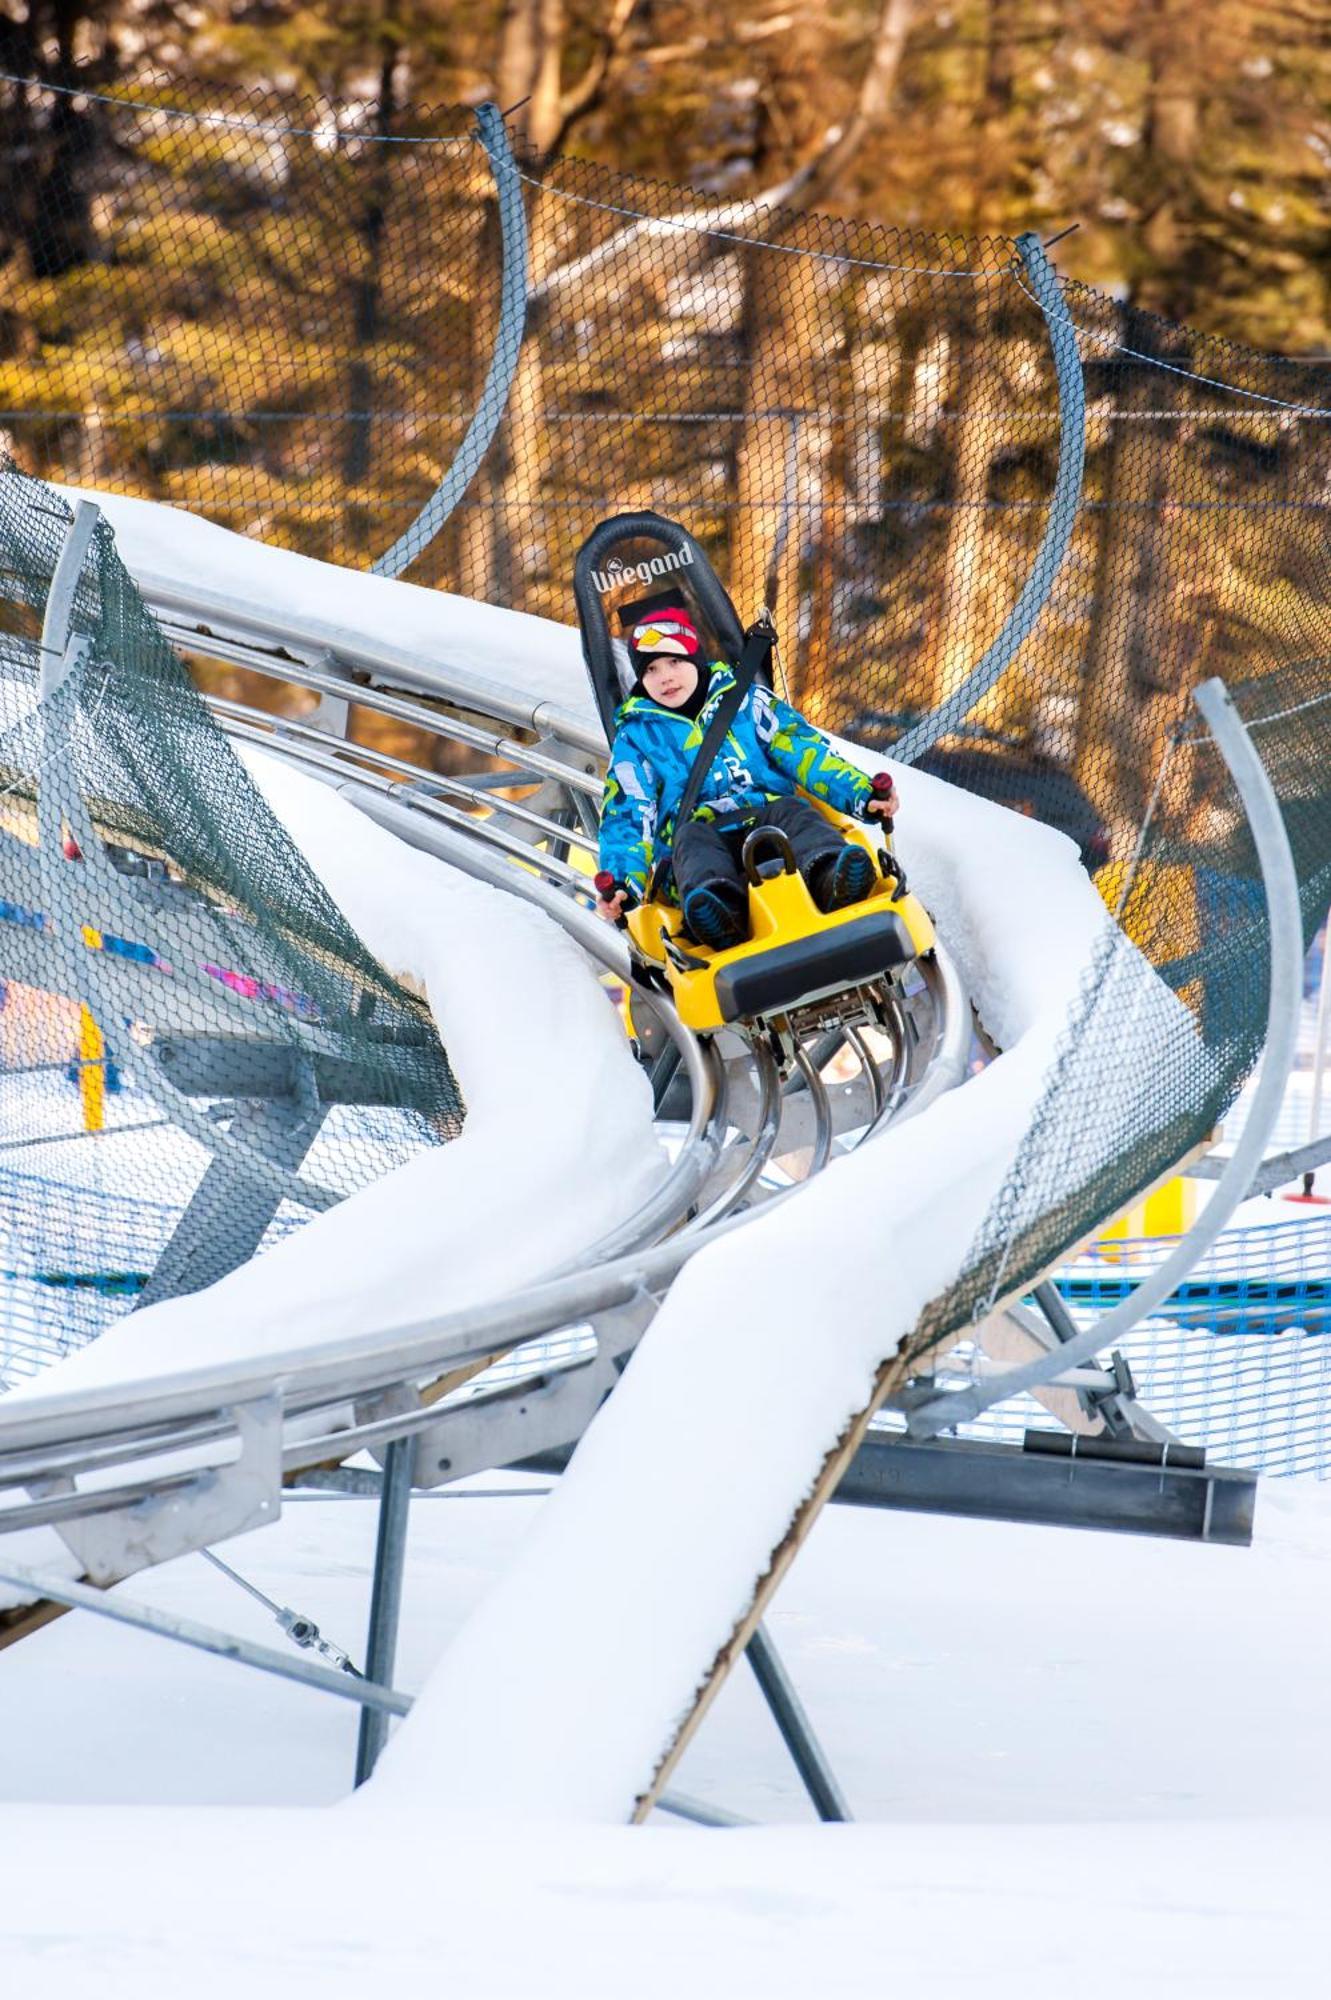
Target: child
769,751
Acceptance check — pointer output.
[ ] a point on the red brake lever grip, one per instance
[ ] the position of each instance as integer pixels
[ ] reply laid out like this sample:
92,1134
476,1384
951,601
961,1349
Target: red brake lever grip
606,886
882,785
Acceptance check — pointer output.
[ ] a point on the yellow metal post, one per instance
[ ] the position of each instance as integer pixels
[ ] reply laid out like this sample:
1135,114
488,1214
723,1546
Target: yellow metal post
92,1072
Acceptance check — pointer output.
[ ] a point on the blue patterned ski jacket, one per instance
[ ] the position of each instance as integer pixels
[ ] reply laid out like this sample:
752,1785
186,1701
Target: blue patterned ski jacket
769,752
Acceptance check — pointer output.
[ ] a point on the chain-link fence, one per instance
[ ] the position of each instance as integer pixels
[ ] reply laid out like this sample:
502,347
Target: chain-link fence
242,303
1000,518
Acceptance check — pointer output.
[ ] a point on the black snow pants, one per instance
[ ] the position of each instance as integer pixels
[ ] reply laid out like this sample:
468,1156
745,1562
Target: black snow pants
707,852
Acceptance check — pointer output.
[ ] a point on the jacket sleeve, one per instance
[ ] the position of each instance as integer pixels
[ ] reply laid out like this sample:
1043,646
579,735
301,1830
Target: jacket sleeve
808,759
628,816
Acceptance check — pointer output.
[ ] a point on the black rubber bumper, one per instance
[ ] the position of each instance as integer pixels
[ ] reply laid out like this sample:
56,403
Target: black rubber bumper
810,967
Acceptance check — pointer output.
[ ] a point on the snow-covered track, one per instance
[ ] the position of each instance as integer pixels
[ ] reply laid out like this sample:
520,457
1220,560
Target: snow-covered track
181,1463
475,826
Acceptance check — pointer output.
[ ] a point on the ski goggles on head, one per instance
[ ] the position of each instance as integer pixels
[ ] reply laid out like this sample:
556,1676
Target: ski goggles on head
670,632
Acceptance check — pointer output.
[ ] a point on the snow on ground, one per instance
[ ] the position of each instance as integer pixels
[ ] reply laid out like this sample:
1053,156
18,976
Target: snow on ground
558,1145
767,1344
1044,1735
209,1906
501,651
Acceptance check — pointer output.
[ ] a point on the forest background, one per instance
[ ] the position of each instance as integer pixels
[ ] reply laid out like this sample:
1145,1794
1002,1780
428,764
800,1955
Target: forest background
272,311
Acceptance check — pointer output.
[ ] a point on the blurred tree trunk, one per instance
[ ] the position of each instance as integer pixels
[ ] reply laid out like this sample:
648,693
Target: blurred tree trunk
1128,691
502,538
775,484
968,616
58,210
789,323
367,287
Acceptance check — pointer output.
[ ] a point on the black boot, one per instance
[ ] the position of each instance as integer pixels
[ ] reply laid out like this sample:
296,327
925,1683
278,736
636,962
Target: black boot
717,914
842,878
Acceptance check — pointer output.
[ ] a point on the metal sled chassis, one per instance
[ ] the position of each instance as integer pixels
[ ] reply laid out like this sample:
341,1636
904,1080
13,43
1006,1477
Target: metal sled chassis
795,954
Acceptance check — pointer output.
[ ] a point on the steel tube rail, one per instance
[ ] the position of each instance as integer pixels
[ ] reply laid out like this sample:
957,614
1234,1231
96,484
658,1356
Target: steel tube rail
403,665
872,1074
503,361
458,846
83,1457
822,1111
356,1367
697,1156
296,673
893,1096
702,1142
325,757
948,1065
49,1510
93,1431
669,1206
760,1152
1284,1004
262,721
1021,620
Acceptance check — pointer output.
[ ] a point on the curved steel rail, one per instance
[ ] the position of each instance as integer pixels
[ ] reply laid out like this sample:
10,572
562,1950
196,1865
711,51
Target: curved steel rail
512,829
503,361
1021,620
934,1411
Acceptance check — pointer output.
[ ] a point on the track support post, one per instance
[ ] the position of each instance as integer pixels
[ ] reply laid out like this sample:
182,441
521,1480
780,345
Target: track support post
390,1556
778,1691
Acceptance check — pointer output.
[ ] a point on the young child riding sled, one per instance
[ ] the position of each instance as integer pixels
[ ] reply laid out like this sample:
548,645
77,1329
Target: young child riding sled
770,752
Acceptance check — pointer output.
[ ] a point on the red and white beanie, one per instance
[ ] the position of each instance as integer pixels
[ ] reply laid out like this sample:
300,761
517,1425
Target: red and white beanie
671,631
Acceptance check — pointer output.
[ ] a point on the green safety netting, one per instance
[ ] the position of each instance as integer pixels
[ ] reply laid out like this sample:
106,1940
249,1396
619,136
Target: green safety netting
196,1051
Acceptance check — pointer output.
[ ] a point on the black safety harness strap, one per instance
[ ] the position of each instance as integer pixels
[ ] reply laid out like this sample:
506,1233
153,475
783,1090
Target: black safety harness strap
758,643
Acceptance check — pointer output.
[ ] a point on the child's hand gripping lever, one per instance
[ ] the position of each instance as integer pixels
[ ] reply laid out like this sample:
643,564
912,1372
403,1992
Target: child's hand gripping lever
881,807
612,897
884,802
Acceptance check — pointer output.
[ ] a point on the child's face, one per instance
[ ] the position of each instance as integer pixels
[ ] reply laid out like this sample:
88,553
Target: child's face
669,680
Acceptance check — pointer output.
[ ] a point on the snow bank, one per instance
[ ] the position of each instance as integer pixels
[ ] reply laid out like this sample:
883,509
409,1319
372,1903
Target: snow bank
948,1710
641,1562
266,1904
558,1145
168,550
